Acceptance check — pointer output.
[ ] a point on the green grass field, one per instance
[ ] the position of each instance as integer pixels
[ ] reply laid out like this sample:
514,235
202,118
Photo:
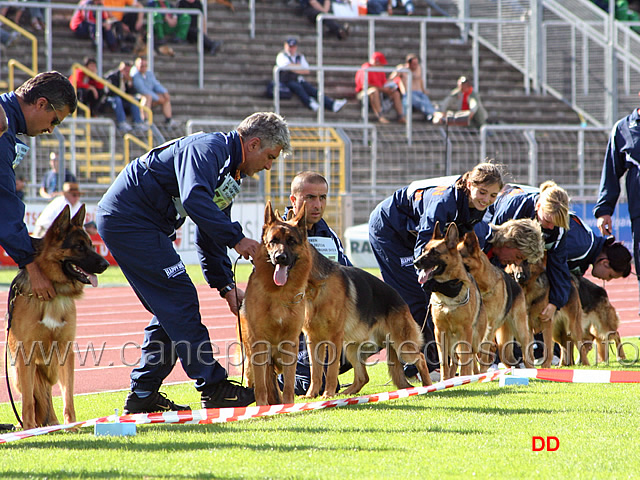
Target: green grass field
473,431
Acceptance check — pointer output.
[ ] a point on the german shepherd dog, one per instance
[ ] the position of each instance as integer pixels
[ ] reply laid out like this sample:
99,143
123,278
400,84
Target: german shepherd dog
456,304
599,320
347,304
39,328
273,310
503,300
566,326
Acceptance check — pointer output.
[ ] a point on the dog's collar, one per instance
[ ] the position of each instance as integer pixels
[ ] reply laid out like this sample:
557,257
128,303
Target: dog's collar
464,301
299,296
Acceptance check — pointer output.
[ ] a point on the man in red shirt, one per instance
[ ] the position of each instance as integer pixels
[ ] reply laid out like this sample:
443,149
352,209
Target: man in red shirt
379,86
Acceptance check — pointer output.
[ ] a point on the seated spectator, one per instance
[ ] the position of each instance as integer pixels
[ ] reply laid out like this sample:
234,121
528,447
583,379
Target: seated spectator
379,86
90,91
211,46
409,8
419,98
462,107
49,187
377,7
294,79
70,196
152,92
6,38
312,8
169,25
121,78
35,15
83,24
125,25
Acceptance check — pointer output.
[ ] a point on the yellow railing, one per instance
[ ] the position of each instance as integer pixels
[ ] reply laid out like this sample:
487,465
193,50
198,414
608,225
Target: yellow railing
29,36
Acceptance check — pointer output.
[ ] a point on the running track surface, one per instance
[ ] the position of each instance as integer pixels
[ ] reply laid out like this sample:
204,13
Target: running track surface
111,321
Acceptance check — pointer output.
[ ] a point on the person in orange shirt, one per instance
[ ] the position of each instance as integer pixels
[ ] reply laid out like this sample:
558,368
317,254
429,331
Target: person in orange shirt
378,86
126,25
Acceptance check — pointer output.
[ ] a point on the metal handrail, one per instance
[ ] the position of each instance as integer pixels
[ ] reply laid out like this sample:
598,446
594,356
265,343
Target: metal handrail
121,93
30,36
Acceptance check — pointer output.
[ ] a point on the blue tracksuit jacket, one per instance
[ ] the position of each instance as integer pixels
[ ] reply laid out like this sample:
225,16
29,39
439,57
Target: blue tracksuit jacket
513,202
14,236
623,155
584,244
195,170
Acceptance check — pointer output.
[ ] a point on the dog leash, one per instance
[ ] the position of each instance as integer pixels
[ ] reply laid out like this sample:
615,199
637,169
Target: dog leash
13,293
242,352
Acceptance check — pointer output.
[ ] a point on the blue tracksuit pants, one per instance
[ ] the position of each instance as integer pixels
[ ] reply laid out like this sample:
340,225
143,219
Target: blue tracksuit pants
154,270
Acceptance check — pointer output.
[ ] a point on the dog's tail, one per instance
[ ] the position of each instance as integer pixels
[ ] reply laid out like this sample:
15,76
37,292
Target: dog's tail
45,414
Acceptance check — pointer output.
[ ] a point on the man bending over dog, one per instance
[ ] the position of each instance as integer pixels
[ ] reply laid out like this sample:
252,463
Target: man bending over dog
198,176
35,107
312,188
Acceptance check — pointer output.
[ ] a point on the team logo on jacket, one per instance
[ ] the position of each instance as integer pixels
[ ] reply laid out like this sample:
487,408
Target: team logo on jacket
406,261
175,270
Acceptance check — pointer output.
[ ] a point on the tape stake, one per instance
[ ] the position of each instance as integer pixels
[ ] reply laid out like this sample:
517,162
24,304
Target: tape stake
223,415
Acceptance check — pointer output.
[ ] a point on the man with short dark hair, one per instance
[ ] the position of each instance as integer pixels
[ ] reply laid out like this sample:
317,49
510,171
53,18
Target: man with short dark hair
35,107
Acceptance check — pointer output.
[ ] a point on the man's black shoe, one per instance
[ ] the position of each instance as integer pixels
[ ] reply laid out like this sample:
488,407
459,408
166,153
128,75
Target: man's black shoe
227,393
156,402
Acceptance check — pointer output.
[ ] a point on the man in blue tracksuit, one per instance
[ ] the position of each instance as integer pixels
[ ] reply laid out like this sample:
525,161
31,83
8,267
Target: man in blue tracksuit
198,176
586,248
401,225
312,188
622,156
34,108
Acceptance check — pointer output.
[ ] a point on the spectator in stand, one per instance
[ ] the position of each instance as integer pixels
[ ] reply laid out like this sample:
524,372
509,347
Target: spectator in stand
6,38
312,8
49,187
419,97
378,7
83,24
121,78
169,24
70,196
379,87
409,8
462,107
151,90
90,91
21,185
294,79
211,46
125,25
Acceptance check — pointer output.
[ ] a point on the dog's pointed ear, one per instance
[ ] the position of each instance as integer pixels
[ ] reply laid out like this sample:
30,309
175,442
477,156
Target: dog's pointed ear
301,219
78,218
61,223
452,236
437,234
290,215
269,216
471,241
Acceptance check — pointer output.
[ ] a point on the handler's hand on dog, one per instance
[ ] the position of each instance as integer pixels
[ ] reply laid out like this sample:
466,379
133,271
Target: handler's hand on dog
247,248
604,224
547,314
40,285
230,297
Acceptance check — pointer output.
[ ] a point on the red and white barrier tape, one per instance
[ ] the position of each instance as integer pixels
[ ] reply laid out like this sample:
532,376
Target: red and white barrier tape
221,415
578,376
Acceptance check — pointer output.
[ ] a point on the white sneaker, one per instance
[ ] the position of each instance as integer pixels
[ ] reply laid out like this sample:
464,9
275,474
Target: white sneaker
338,104
435,376
140,127
124,127
555,361
313,105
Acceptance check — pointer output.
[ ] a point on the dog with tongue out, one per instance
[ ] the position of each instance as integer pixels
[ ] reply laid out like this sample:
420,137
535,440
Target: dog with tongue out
273,310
